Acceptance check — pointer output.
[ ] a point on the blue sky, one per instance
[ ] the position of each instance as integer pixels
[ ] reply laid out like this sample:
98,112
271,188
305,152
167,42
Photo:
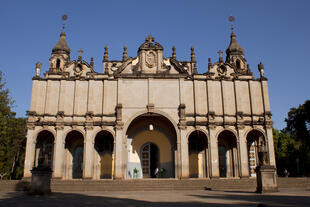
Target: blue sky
275,32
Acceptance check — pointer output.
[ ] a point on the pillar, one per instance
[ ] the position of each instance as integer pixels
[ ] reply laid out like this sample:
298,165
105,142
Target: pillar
243,149
269,133
214,154
118,153
184,154
58,166
30,152
88,153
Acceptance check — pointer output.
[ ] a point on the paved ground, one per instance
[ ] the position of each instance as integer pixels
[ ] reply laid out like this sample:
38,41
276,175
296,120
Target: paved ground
284,198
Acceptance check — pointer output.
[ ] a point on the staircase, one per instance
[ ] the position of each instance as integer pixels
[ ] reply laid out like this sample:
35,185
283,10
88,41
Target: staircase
155,184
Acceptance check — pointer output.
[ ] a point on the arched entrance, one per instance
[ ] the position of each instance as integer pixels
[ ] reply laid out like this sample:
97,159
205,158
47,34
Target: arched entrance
104,156
254,139
228,156
151,144
74,150
197,149
44,148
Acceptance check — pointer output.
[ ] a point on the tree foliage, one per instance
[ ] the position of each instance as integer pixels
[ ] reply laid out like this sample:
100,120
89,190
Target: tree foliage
12,137
292,144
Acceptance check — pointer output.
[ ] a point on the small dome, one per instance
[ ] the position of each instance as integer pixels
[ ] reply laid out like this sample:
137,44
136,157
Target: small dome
234,48
61,46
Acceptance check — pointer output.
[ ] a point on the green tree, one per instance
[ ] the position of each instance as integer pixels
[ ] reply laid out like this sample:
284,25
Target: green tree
12,137
286,148
292,144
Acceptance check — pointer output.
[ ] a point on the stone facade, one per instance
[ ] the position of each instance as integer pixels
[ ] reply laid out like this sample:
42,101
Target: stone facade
148,116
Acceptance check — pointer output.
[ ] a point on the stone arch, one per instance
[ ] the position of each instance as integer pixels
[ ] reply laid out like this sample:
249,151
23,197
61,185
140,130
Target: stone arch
151,127
104,155
99,129
256,141
155,111
228,154
198,154
44,148
44,129
74,154
227,129
65,134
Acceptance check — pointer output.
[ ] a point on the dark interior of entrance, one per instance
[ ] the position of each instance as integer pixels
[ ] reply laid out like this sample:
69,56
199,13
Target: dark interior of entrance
75,144
150,160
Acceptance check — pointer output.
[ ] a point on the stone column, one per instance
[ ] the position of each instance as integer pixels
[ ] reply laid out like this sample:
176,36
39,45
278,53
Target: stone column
214,153
184,154
30,151
243,149
118,153
269,134
58,166
88,153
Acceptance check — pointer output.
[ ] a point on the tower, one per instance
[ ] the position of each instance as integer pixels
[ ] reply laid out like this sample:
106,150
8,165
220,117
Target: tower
235,53
60,54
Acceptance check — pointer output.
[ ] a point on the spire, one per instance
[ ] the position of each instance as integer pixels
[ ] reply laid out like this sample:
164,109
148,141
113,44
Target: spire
174,56
234,48
125,53
193,57
61,47
106,56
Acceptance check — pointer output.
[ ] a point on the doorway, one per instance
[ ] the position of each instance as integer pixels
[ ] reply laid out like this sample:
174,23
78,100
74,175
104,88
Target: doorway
150,160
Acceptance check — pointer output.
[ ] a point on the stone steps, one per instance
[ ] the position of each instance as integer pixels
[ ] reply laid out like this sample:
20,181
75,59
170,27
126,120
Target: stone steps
155,184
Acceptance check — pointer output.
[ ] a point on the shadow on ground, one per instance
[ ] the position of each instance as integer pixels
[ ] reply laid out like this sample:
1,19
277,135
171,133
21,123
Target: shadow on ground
196,198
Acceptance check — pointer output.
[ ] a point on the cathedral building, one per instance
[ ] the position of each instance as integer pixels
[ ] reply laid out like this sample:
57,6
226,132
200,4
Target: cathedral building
148,116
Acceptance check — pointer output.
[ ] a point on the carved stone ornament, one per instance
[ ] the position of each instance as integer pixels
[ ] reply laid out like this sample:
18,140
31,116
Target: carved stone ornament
222,70
150,59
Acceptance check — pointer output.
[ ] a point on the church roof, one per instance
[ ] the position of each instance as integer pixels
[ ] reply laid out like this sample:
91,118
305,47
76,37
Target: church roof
61,46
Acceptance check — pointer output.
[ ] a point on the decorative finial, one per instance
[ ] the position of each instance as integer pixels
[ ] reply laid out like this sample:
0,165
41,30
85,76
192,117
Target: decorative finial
209,63
174,56
248,68
231,19
105,57
261,69
64,18
125,53
38,68
220,52
80,51
92,62
149,39
193,57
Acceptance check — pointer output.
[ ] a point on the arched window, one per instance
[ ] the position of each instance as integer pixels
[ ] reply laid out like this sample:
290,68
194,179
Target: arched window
238,64
57,63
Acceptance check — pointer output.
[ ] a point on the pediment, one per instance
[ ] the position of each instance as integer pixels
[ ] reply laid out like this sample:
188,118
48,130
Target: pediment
78,68
228,71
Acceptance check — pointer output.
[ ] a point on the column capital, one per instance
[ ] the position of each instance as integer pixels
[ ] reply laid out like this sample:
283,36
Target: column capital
30,126
59,127
212,126
89,127
119,125
240,126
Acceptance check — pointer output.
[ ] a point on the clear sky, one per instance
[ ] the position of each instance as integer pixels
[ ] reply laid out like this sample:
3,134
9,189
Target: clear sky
275,32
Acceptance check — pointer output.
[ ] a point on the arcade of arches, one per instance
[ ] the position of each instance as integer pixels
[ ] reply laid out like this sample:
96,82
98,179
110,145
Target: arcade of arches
153,149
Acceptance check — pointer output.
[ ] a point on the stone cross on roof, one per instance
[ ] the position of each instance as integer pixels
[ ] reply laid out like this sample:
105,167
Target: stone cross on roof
149,39
220,52
80,51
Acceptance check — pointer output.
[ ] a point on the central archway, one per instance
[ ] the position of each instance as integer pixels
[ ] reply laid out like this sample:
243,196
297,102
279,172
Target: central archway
151,147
